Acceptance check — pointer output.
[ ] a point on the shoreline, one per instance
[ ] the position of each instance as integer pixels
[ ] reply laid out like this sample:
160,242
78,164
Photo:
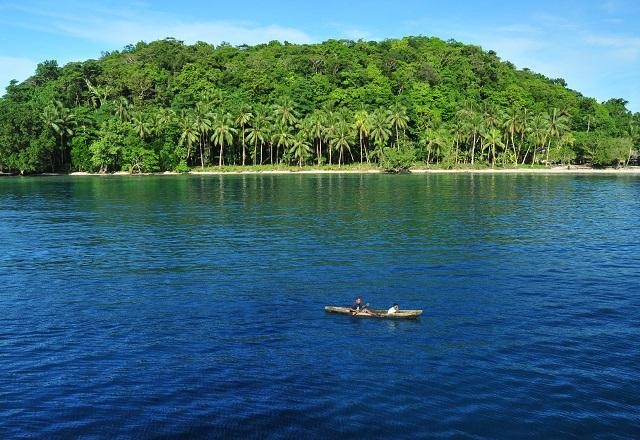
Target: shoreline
554,170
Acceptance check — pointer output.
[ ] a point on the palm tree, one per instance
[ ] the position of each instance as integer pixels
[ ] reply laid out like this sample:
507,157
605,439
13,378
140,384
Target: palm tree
141,125
61,120
300,148
285,112
491,117
331,122
282,137
558,123
242,119
493,138
362,124
162,118
257,133
632,131
510,124
341,139
539,133
316,128
398,119
434,141
524,129
203,120
122,109
189,133
566,141
380,132
223,132
472,122
458,135
49,116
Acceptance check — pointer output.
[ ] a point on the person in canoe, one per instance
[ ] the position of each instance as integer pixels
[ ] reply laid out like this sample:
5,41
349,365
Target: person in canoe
358,307
393,309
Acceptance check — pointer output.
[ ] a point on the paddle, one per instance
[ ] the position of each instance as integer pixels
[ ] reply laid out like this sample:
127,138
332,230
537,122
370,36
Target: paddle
364,309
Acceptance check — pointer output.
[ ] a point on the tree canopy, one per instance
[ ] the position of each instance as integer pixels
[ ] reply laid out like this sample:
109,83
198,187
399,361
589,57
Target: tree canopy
166,105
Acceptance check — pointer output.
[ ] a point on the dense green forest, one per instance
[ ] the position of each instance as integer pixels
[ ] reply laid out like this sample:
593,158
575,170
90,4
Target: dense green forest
166,105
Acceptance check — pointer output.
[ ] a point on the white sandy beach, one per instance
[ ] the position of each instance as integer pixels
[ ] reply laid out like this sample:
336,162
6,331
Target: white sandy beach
550,170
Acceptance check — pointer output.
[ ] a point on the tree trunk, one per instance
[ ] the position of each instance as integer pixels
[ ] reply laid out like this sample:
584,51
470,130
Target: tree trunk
255,152
243,147
62,150
201,153
473,149
221,152
493,155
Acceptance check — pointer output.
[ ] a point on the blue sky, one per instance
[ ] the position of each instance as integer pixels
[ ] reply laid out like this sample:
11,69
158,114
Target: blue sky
593,45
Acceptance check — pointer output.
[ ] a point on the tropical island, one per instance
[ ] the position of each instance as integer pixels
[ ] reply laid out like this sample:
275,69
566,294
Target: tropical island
364,105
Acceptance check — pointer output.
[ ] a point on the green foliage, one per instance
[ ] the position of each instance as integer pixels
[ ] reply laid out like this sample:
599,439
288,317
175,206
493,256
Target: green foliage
398,160
602,150
165,105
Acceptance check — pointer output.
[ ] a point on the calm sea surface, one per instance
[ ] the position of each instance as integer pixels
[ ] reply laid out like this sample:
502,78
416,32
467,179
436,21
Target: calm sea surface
192,306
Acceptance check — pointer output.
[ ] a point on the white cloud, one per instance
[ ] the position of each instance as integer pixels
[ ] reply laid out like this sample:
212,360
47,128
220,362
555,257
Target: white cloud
621,45
15,68
124,32
124,26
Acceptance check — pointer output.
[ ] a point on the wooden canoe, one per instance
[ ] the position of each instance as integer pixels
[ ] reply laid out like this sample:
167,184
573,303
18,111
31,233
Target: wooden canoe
373,313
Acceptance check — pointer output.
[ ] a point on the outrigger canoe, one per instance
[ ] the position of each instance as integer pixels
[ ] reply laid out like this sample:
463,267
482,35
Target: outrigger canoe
373,313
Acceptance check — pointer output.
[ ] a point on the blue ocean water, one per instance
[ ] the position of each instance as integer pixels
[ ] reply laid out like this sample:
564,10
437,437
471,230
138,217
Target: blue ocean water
192,306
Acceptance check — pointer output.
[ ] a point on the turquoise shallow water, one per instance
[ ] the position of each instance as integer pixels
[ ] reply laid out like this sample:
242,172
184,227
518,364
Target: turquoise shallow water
192,306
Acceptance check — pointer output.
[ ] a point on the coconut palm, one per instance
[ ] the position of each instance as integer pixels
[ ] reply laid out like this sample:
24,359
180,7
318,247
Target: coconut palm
524,129
122,109
632,131
493,137
539,133
203,121
258,134
282,137
398,119
285,112
341,139
558,123
458,135
242,119
380,132
434,141
223,132
189,133
141,124
510,124
61,120
162,118
300,148
316,128
472,123
362,124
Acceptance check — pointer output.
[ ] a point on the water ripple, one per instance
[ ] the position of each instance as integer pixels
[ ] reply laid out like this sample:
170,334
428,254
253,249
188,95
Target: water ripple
193,307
